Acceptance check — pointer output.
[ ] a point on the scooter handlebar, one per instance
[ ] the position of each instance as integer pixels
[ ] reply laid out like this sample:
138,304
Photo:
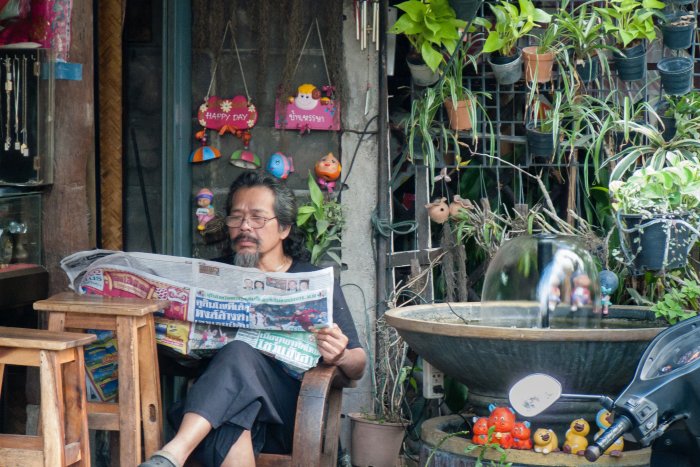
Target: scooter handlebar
609,436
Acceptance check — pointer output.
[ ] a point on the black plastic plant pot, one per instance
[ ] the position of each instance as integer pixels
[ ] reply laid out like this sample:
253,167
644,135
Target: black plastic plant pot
465,9
648,245
676,75
631,63
540,144
507,70
588,70
678,36
669,127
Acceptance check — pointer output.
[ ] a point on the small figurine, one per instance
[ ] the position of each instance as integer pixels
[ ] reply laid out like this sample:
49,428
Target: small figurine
576,442
307,97
245,159
280,166
328,171
438,211
204,152
521,436
608,286
546,441
481,430
581,293
604,419
458,204
554,297
503,419
205,211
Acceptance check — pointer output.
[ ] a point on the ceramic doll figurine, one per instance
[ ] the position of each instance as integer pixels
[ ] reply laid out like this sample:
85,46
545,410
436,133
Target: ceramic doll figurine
205,211
481,430
581,293
554,297
521,436
545,441
576,442
438,211
328,171
604,419
608,285
503,419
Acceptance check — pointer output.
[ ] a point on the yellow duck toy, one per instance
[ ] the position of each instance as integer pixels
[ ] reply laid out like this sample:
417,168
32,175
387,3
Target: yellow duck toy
545,441
604,419
576,442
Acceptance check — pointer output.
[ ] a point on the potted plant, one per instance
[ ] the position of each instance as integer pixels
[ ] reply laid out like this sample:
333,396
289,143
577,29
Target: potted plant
581,34
680,112
677,30
539,59
432,28
321,220
630,23
512,23
658,210
377,434
676,75
543,127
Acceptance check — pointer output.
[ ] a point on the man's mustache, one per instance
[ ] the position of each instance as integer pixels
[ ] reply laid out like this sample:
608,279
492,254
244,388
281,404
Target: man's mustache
245,238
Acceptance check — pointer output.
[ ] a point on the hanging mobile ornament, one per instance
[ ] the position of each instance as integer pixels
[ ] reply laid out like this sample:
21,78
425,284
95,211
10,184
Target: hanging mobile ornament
8,112
236,115
18,76
24,147
204,152
327,170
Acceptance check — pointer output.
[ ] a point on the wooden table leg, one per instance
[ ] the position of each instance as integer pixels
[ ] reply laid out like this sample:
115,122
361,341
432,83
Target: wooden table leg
51,410
129,398
76,406
151,409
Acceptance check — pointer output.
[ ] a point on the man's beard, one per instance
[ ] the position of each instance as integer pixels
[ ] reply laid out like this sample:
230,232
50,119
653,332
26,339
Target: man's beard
244,259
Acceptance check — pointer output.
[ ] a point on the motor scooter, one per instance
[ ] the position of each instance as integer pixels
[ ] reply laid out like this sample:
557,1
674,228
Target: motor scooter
659,408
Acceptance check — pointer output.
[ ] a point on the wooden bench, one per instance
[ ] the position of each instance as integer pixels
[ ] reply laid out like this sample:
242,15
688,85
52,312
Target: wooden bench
63,429
139,407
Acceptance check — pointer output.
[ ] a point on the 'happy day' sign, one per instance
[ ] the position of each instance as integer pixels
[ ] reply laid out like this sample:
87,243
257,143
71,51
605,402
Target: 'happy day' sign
236,113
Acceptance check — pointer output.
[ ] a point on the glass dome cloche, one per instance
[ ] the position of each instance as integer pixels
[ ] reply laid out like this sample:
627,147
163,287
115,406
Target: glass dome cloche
541,281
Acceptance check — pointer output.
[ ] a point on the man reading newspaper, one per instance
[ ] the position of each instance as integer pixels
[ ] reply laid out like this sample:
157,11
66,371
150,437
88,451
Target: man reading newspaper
245,402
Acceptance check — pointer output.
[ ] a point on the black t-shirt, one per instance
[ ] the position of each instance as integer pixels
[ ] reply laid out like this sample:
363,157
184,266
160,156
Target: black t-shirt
341,312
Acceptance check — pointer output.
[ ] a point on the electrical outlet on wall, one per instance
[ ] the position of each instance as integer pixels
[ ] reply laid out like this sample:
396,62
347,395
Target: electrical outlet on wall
433,382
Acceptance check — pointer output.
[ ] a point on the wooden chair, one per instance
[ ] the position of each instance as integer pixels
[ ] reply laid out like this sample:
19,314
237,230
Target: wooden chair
63,431
317,425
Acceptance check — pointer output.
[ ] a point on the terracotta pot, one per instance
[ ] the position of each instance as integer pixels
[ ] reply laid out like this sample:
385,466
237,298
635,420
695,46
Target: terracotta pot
375,444
537,66
459,117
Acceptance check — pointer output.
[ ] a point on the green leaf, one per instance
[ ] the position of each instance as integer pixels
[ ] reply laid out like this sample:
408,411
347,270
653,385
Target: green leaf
314,191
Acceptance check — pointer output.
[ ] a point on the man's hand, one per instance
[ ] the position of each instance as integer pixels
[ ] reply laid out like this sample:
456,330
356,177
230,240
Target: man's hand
331,344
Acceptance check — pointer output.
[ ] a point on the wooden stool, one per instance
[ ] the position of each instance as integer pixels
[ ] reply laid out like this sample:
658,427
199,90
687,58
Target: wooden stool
63,425
139,403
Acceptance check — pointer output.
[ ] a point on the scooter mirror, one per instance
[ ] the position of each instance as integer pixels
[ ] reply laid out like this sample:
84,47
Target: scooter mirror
534,394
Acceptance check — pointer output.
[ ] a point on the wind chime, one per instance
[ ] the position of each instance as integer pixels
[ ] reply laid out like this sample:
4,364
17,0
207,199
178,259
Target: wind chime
364,25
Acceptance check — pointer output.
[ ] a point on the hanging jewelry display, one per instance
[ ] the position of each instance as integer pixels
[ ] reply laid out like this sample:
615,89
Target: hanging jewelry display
311,108
26,116
236,115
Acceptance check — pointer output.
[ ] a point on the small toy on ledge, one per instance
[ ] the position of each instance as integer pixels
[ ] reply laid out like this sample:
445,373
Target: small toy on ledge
608,286
481,430
280,166
546,441
604,419
581,293
521,436
327,170
503,419
205,211
576,442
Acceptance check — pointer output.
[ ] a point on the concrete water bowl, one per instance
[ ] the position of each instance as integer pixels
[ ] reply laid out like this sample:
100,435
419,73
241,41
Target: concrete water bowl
490,359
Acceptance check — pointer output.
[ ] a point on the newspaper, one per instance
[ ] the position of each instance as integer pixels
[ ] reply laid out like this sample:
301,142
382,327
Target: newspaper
274,311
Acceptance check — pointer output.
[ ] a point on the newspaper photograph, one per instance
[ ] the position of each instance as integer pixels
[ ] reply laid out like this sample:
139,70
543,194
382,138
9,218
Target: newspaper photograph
213,303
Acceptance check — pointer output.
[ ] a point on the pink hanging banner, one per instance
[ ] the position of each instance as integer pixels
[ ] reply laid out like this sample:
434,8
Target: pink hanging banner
233,114
309,109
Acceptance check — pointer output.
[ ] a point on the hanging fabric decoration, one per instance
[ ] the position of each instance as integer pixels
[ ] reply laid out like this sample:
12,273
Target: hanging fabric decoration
312,107
236,115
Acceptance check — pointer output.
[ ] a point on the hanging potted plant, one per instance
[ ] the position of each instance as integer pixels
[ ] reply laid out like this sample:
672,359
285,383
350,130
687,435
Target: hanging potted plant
680,114
542,130
432,28
581,33
511,24
539,59
658,213
631,24
677,30
676,75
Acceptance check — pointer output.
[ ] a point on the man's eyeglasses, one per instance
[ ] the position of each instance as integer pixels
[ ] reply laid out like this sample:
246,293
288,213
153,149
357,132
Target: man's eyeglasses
255,222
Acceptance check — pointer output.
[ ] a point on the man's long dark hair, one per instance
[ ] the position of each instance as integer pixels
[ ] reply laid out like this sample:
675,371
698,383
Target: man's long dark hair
285,208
